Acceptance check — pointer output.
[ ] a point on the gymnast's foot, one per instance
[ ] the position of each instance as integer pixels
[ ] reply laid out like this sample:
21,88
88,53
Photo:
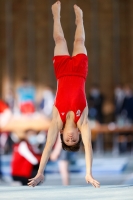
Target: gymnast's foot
78,13
56,7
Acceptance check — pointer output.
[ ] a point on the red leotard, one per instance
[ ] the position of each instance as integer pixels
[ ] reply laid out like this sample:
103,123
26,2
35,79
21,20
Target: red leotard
71,73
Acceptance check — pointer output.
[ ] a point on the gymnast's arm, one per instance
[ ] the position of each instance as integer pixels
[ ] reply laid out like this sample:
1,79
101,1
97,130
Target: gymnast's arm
55,127
84,128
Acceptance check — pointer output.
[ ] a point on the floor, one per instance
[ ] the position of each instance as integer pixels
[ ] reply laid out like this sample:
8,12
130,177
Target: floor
65,192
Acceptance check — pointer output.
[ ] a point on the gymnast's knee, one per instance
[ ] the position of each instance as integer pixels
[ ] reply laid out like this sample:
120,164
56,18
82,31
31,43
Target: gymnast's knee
59,39
79,41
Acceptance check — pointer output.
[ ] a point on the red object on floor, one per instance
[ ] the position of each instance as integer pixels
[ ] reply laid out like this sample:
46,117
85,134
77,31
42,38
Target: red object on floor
3,106
21,166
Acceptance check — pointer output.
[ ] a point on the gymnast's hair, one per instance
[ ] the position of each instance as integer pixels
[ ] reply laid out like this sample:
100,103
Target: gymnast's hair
73,148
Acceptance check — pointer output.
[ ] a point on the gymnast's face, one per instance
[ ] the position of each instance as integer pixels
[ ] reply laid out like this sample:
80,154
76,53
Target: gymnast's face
70,135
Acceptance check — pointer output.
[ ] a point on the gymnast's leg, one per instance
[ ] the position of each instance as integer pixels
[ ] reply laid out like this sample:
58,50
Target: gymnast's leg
60,42
63,168
79,40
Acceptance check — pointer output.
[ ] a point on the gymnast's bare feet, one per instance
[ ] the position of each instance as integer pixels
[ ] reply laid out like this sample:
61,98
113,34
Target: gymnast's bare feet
56,7
78,13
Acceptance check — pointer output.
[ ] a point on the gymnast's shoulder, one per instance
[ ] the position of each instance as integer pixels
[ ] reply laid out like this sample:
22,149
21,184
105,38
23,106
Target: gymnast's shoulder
56,117
84,118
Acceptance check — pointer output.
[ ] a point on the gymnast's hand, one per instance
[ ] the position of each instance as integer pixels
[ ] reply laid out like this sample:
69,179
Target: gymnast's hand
39,178
90,179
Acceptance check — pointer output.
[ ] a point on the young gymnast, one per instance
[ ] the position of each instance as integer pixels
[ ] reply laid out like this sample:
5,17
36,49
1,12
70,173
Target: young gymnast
70,111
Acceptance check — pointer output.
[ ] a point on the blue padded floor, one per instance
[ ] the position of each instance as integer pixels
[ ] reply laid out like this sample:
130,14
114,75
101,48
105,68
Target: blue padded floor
68,192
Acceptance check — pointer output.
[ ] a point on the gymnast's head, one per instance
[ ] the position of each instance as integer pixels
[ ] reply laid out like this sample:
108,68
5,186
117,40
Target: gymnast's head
70,138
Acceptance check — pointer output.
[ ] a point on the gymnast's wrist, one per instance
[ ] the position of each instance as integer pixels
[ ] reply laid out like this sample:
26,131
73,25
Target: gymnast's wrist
89,173
40,172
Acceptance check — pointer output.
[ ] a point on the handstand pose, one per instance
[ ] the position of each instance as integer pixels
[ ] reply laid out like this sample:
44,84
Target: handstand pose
70,112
